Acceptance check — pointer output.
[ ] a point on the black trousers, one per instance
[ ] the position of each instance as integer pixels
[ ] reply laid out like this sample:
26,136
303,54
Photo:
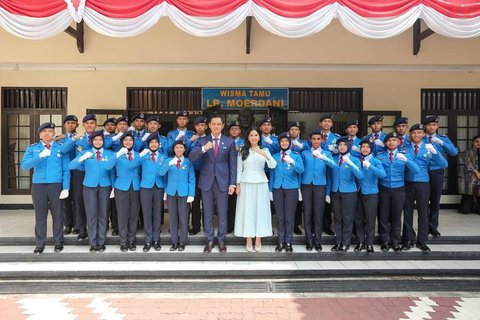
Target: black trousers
197,212
178,209
78,203
436,187
128,209
113,215
367,208
45,196
285,201
232,206
68,205
344,207
97,207
416,193
151,200
392,201
313,208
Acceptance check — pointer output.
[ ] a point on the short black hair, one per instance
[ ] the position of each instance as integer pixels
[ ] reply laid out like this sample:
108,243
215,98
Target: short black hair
215,115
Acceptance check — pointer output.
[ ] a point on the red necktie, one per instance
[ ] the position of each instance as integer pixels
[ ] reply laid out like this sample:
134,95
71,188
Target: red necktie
401,142
47,146
283,156
130,155
376,136
361,160
416,149
138,135
178,163
153,157
215,147
429,139
325,136
99,157
341,161
293,147
391,157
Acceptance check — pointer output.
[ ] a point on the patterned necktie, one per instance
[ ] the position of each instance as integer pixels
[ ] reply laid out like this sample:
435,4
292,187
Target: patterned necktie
325,137
376,136
153,157
429,139
47,146
283,156
391,157
215,147
416,149
341,161
178,163
99,157
130,155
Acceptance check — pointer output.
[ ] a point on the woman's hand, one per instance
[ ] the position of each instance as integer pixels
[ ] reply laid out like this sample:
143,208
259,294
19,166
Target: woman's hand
237,189
262,153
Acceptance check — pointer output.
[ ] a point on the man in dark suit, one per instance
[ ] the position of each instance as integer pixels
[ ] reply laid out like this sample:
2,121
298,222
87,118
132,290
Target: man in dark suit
218,178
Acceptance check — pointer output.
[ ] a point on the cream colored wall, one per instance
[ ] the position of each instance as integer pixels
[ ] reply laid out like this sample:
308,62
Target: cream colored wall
389,74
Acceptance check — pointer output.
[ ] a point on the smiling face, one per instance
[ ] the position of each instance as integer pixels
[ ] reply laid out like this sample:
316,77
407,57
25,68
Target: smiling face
216,125
254,138
97,142
326,125
90,126
109,127
417,135
127,142
234,132
365,149
294,132
392,143
153,145
284,143
342,147
153,126
179,149
316,140
46,135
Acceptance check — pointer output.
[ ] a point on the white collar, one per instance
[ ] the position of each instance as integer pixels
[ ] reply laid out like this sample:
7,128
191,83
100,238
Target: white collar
219,136
95,150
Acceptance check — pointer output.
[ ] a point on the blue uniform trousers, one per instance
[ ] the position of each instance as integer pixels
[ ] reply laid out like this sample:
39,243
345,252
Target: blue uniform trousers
97,207
285,201
152,204
128,208
313,208
78,203
416,193
391,205
178,209
367,208
45,196
344,207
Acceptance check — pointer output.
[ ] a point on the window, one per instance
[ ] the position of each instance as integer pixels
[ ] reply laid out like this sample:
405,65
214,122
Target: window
104,114
388,120
23,110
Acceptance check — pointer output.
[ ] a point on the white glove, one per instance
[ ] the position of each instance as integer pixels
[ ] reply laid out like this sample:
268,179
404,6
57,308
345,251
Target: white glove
180,135
379,143
63,194
271,196
117,136
85,156
431,148
144,152
165,196
327,199
112,193
331,148
366,164
348,160
45,153
145,136
106,133
355,148
288,159
131,128
316,153
298,144
268,140
300,198
190,199
173,161
122,152
402,157
437,141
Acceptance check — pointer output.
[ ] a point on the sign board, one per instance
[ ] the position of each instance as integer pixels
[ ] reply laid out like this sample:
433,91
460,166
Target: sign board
237,98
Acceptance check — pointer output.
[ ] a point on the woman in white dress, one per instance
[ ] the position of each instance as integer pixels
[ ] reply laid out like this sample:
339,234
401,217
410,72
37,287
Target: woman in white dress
253,218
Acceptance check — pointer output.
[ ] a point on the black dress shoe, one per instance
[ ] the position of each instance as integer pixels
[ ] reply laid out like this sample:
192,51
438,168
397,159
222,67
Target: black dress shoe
181,247
288,247
318,247
359,247
297,231
67,230
335,248
132,247
309,246
230,231
434,233
344,249
174,247
279,247
75,231
114,232
38,250
157,246
193,231
397,247
101,248
422,246
93,249
329,232
385,247
58,248
82,236
407,245
123,248
370,249
208,247
222,248
147,247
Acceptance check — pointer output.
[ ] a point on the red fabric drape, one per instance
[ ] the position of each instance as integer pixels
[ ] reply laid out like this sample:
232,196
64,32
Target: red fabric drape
33,8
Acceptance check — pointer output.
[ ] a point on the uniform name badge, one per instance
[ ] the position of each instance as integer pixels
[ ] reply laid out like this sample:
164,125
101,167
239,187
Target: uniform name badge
79,148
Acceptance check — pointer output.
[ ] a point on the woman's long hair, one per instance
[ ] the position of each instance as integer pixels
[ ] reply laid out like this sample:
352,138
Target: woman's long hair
247,145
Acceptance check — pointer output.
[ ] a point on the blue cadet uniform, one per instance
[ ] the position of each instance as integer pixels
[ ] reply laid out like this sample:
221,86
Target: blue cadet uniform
298,145
270,142
418,190
163,148
152,188
404,139
443,144
285,182
314,185
180,192
98,165
367,205
355,141
177,134
392,193
68,205
344,195
138,135
50,183
116,143
127,200
378,137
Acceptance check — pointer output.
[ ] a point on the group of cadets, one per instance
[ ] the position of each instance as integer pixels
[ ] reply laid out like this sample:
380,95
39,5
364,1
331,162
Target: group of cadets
126,171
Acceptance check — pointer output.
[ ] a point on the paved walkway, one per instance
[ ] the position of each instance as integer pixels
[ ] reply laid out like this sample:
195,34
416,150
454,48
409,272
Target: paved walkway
109,307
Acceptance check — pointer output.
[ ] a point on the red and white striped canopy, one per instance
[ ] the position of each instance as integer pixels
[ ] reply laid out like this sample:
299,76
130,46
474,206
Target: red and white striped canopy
39,19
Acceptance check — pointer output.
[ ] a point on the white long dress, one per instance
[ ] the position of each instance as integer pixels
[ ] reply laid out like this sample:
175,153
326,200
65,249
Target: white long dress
253,217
